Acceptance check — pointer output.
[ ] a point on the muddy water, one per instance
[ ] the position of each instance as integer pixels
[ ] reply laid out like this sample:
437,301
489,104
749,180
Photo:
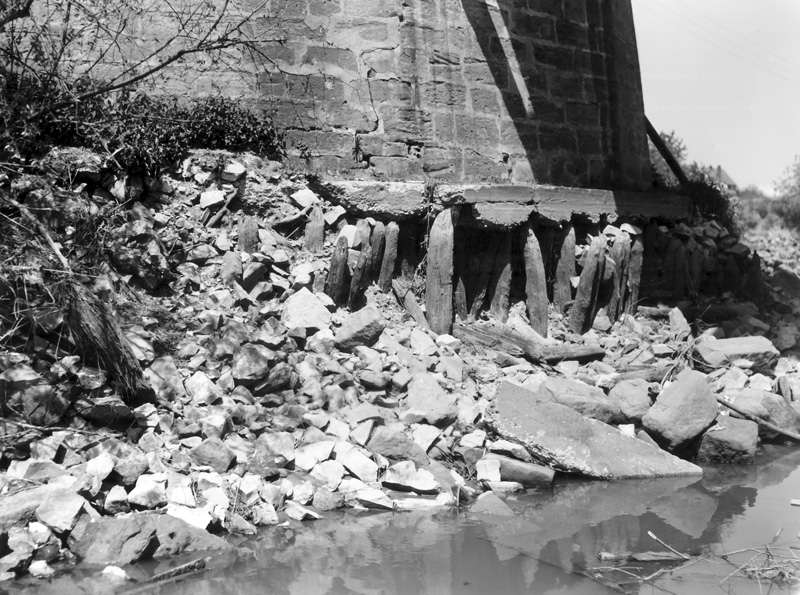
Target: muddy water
551,545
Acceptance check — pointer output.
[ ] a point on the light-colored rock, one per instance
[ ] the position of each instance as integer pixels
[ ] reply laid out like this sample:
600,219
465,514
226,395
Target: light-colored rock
769,407
682,411
564,439
306,457
358,464
527,474
425,394
213,453
304,309
251,364
633,397
149,492
722,352
404,476
588,400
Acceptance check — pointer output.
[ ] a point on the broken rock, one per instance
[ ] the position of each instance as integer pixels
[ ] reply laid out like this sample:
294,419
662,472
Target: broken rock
683,410
563,438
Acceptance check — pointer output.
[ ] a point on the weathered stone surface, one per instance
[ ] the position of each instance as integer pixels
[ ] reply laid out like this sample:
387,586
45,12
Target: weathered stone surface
396,446
769,407
305,310
721,352
633,397
358,464
404,476
149,491
202,389
730,440
117,541
529,475
165,379
360,328
213,453
60,509
426,395
588,400
565,440
683,410
125,540
251,364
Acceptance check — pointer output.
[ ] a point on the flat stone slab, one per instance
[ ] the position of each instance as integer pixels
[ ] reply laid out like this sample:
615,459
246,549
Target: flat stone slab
721,352
565,440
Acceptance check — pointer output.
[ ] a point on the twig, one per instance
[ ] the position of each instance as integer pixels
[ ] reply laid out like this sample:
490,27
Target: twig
670,548
770,426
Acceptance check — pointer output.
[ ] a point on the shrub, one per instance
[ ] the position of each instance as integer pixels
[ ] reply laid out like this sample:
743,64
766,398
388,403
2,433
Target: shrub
145,134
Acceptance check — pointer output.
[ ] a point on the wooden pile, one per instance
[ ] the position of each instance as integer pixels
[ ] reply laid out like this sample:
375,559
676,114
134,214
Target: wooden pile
469,270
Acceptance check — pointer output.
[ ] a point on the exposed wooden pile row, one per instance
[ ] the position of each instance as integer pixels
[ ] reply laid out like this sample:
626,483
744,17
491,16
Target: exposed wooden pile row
471,270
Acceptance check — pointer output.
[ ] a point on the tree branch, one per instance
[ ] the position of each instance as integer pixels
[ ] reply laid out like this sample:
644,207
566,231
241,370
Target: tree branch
14,14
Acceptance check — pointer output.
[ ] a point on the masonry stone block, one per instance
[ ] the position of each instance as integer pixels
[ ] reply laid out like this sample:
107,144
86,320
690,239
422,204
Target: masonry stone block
555,138
484,99
443,95
534,26
559,57
484,167
396,168
583,114
572,34
375,144
343,58
477,132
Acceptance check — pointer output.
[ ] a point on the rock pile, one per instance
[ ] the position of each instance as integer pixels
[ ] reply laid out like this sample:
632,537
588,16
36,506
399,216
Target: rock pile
277,405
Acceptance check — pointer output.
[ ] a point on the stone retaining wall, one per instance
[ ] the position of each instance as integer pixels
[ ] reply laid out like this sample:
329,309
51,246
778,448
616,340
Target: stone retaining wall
517,91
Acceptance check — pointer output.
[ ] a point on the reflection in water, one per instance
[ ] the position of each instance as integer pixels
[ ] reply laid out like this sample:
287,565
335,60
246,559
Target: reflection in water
550,546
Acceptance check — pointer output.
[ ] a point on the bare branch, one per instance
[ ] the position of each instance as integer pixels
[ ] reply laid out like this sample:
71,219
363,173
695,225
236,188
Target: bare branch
15,13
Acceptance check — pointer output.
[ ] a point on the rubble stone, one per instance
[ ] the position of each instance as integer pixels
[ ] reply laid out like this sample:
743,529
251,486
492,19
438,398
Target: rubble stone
682,411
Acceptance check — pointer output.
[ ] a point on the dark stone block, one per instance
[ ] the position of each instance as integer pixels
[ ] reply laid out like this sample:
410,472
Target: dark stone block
569,33
554,138
559,57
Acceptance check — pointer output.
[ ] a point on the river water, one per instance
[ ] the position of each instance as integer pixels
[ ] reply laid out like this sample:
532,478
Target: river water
551,545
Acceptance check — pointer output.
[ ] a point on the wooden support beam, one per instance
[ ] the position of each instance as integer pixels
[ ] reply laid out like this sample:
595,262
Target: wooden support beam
680,265
315,230
461,275
634,275
581,317
500,282
389,257
363,234
378,245
565,270
248,235
535,282
504,339
360,279
338,283
409,301
408,250
484,275
439,275
620,254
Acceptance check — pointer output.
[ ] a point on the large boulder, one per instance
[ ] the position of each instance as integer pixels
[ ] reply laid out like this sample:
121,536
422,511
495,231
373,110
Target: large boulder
731,441
769,407
633,396
583,398
562,438
718,353
683,410
125,540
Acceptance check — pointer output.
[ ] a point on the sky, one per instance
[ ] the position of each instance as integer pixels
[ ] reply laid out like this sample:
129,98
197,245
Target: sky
725,76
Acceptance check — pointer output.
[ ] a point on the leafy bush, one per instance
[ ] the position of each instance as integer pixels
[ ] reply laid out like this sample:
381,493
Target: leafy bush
145,134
